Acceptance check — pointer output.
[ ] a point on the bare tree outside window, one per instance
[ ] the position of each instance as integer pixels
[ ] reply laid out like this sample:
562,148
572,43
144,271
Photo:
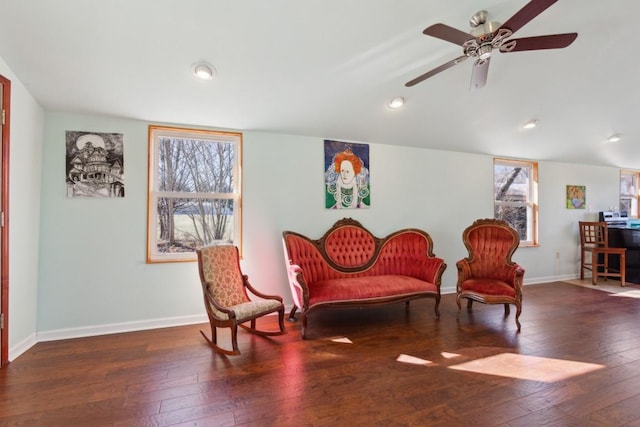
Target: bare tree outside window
194,191
515,197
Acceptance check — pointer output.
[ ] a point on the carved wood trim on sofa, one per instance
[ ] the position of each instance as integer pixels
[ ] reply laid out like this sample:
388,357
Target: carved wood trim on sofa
350,267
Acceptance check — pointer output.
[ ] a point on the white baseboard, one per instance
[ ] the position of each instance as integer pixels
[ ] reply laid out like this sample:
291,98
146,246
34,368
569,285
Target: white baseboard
22,346
538,280
116,328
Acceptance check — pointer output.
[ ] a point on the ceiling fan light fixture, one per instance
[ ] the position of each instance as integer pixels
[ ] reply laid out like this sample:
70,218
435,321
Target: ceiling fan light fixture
614,138
204,71
396,102
530,124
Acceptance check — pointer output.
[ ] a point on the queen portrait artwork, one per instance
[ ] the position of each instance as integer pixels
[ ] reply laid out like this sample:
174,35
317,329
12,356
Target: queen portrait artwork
347,177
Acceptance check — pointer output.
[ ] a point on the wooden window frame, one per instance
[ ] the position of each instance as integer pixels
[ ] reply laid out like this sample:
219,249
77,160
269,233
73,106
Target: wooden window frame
530,202
154,193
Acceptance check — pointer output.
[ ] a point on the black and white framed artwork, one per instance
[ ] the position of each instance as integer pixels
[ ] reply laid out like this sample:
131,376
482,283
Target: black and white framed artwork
95,164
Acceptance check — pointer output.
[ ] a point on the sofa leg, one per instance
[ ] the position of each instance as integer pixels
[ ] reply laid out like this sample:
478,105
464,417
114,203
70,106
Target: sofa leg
303,330
292,314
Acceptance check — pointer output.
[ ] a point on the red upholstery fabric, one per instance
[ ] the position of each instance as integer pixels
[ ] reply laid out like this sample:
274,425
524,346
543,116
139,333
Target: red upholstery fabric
370,287
349,264
403,254
488,287
304,254
406,254
492,249
488,274
350,246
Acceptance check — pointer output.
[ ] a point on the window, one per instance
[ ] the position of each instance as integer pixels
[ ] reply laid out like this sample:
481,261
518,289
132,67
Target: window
515,197
629,192
194,195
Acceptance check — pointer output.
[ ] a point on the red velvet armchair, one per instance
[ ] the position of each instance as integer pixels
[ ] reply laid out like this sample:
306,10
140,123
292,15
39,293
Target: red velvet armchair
488,275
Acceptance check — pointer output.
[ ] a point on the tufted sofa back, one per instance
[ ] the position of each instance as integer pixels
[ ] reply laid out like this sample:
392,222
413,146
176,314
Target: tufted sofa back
350,250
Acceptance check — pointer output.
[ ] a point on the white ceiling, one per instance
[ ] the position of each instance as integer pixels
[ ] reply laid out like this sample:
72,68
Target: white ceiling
326,68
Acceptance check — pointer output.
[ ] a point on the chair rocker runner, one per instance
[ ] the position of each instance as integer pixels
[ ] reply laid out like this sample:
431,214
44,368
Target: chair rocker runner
488,275
226,299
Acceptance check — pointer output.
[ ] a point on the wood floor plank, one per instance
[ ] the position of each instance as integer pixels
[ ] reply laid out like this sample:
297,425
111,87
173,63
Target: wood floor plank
468,371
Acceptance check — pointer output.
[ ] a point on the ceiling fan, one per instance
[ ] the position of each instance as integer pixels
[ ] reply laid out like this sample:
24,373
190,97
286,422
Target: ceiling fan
486,36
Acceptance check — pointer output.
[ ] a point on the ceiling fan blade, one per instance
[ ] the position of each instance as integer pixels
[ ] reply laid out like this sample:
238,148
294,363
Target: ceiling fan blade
526,14
479,73
436,71
447,33
554,41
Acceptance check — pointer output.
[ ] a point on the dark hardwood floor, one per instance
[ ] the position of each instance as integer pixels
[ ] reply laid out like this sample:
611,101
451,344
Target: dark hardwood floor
575,363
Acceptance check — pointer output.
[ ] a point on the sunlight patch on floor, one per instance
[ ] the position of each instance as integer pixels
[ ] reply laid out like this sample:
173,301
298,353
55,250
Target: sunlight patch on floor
449,355
631,290
405,358
342,340
628,294
524,367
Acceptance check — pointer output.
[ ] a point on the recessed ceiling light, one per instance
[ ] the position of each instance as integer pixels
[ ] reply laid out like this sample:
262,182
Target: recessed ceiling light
530,124
204,71
614,138
396,102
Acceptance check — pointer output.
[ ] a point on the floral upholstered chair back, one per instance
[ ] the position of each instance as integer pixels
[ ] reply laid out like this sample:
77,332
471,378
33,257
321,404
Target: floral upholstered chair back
221,275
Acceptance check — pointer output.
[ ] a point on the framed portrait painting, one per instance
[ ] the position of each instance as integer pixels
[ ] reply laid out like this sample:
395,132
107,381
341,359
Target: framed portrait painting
346,175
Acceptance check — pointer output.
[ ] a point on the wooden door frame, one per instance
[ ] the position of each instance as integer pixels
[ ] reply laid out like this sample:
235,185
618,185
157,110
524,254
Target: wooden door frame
4,208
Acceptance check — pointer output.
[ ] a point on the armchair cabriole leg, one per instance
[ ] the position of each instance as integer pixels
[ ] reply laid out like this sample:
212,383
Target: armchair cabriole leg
518,311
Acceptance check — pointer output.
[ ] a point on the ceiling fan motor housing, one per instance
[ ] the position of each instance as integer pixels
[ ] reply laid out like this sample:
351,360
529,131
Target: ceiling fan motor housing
481,27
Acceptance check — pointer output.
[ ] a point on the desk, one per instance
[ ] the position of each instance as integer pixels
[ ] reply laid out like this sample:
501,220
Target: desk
629,238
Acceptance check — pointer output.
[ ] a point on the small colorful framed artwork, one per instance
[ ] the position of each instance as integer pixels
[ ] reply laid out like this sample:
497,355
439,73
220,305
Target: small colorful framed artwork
576,197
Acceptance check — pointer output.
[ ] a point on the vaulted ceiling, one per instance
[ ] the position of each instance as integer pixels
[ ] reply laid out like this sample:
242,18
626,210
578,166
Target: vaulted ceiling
327,69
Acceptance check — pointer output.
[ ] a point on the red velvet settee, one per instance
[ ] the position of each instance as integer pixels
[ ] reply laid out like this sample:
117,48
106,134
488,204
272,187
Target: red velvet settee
350,267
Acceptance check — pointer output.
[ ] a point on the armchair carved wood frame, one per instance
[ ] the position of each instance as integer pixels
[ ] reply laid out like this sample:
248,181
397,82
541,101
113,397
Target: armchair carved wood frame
488,275
226,298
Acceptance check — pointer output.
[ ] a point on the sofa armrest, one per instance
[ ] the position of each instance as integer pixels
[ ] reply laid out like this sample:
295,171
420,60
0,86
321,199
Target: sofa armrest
433,269
299,288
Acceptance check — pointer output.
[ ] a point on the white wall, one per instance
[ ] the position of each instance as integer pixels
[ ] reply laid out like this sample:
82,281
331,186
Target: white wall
93,276
26,126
